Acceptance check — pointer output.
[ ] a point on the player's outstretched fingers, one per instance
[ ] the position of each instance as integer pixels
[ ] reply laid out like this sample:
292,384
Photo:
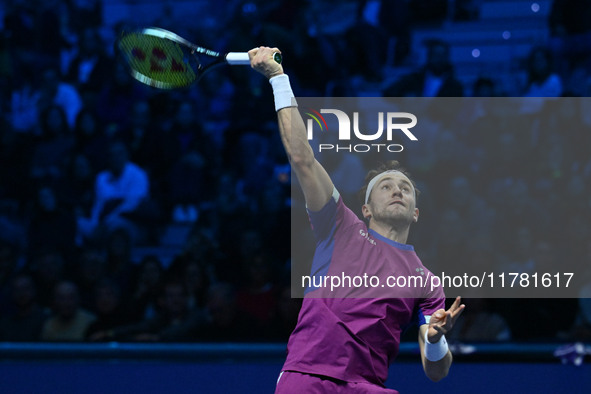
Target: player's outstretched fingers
456,309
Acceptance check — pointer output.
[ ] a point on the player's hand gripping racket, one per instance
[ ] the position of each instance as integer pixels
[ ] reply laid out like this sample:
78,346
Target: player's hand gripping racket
163,59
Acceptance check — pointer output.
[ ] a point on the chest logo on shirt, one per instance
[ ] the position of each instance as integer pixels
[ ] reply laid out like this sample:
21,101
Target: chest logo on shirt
367,237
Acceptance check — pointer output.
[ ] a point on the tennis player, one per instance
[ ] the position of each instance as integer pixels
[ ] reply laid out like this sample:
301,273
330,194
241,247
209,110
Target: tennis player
343,343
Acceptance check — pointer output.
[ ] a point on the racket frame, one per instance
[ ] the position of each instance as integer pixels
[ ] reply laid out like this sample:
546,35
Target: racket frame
232,58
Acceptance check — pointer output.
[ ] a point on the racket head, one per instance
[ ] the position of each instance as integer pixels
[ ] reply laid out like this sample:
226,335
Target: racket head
160,58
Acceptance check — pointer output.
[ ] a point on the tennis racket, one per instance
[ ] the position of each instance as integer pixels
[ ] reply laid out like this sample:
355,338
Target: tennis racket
165,60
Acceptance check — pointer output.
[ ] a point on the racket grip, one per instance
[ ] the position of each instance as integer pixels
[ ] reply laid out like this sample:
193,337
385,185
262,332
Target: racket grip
241,58
238,58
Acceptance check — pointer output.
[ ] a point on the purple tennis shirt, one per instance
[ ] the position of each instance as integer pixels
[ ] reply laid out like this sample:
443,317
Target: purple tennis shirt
352,333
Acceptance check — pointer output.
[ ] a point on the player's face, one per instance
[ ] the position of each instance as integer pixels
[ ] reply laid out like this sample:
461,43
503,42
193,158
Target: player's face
392,200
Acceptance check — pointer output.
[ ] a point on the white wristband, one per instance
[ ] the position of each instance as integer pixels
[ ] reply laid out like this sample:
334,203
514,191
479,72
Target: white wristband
435,351
282,92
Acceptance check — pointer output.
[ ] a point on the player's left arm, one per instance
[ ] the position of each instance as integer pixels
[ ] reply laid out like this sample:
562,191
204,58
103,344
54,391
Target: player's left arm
435,356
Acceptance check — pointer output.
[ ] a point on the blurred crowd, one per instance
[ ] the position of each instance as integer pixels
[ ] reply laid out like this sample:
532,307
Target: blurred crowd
97,165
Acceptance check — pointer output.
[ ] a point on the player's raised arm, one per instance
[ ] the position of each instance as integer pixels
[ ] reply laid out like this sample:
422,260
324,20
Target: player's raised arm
314,180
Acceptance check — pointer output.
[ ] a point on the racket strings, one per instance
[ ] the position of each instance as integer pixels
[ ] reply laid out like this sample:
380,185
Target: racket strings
158,61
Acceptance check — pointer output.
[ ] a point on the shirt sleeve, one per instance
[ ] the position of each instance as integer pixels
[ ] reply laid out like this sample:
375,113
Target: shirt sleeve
333,216
432,302
326,225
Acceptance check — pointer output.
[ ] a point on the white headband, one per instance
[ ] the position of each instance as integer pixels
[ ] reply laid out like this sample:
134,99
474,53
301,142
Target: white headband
374,180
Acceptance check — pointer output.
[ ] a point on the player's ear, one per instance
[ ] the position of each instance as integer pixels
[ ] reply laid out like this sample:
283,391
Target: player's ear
415,216
366,211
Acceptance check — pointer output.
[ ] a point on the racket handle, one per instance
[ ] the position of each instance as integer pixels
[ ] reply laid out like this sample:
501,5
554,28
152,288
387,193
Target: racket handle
238,58
241,58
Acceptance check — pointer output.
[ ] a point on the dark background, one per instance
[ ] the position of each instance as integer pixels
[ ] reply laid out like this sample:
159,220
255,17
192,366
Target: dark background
206,255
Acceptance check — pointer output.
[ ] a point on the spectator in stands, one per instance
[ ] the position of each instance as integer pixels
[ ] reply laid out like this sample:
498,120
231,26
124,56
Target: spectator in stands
518,252
194,156
53,145
48,268
15,186
570,33
117,97
249,243
255,164
110,310
197,283
503,151
451,238
484,87
120,267
429,12
275,211
24,106
90,268
460,200
145,140
434,79
367,42
68,322
517,205
203,245
85,13
542,81
229,199
91,67
34,28
7,72
52,226
25,320
581,329
170,143
9,262
175,322
466,10
395,18
226,322
119,191
76,185
92,138
451,158
566,123
193,273
144,296
54,91
257,295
